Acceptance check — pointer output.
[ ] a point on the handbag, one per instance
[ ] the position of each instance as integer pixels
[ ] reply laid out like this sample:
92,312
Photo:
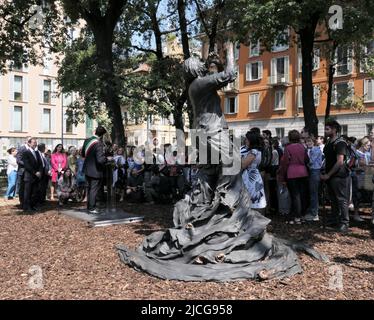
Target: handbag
284,200
368,179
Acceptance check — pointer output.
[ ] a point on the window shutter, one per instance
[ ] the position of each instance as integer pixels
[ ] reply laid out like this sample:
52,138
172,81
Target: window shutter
350,60
334,95
236,104
248,71
351,87
316,94
53,120
64,120
335,61
299,97
316,59
11,112
286,67
260,69
11,87
226,105
41,90
41,120
273,67
368,90
75,128
54,94
25,89
25,120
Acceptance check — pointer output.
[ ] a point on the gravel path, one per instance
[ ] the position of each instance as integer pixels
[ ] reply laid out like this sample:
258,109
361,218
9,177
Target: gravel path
78,262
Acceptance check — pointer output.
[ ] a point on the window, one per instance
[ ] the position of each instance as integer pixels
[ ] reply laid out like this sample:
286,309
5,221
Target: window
341,92
233,86
280,100
279,70
368,51
279,132
67,99
281,42
316,94
254,71
47,63
254,49
47,91
231,105
343,59
344,130
368,90
68,125
17,119
254,102
17,88
299,97
316,59
46,120
236,50
369,127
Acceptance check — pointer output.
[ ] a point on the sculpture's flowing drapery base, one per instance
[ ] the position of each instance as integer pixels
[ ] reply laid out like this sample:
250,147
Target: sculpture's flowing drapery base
216,237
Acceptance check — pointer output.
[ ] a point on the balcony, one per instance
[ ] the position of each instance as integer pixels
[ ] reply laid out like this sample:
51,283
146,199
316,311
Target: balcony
279,80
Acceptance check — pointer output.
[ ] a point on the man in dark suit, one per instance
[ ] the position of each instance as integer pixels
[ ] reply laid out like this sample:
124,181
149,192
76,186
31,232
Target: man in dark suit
21,171
43,184
94,166
32,175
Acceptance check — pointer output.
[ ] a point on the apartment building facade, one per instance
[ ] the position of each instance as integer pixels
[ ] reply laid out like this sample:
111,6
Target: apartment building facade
267,93
30,105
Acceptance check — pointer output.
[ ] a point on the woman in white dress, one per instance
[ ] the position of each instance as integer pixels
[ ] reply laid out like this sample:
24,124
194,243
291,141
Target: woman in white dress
251,159
12,174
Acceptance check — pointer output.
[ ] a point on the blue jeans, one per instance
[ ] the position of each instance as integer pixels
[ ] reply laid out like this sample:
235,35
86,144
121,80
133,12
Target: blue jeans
12,180
314,181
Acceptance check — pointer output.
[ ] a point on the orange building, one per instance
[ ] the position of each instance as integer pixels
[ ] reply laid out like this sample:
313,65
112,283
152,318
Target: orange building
267,92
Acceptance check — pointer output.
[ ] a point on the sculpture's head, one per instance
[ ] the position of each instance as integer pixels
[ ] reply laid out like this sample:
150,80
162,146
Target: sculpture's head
193,67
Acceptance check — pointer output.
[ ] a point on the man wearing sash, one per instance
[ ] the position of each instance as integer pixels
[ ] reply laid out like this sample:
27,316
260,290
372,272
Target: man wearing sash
94,166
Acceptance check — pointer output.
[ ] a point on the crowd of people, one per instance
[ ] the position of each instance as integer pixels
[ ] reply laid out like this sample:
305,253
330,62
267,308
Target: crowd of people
284,176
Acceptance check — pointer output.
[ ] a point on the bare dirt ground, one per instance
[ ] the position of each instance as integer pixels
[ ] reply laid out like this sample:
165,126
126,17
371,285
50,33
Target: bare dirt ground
78,262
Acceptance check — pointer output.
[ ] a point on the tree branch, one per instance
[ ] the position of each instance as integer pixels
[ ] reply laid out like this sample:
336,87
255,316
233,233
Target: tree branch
144,49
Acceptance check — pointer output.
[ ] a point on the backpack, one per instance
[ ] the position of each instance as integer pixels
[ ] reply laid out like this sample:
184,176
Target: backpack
350,161
266,157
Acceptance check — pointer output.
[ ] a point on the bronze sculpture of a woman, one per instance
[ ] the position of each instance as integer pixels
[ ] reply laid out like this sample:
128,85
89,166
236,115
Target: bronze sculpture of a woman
216,236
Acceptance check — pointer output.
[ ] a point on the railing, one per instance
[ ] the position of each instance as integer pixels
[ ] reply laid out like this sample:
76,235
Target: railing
280,79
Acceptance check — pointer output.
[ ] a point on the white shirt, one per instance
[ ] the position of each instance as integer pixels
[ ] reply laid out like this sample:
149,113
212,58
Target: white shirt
32,151
12,164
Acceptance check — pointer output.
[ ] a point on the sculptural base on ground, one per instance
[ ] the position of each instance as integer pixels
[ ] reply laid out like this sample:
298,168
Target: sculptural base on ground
216,237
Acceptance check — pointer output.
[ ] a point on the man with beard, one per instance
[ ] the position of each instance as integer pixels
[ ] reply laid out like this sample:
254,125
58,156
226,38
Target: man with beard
337,175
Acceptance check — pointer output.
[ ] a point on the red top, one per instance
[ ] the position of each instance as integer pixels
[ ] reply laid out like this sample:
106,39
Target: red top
293,162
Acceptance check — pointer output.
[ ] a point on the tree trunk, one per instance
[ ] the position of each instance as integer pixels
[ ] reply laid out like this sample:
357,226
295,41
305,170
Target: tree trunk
103,40
307,45
178,111
183,27
330,82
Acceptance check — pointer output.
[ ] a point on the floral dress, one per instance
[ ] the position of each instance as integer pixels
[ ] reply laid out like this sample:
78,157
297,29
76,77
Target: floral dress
253,181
